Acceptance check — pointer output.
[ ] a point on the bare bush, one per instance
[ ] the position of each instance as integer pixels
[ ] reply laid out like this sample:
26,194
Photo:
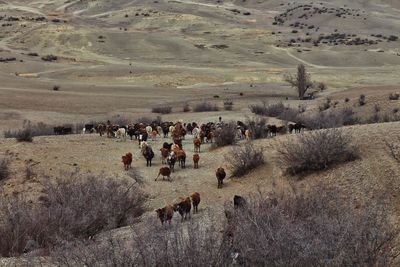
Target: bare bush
321,120
312,228
186,107
120,120
225,135
394,96
30,130
301,82
70,208
228,104
317,150
349,117
258,127
325,105
244,158
272,110
56,88
205,107
4,168
394,148
361,100
162,109
192,244
290,114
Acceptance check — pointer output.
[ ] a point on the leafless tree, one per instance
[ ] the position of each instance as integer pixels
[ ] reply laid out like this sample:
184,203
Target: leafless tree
301,82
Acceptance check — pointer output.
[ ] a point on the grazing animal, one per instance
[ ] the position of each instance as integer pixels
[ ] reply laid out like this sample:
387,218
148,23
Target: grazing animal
239,202
196,132
181,157
121,134
88,128
183,207
101,128
166,213
165,172
164,155
248,134
127,160
196,159
297,127
195,201
159,130
154,135
220,174
210,137
239,134
148,154
197,144
171,160
167,146
272,130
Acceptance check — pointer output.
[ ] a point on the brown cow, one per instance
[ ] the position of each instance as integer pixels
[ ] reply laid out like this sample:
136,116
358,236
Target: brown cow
196,159
165,172
166,213
197,144
127,160
181,158
210,137
164,155
183,207
220,173
195,201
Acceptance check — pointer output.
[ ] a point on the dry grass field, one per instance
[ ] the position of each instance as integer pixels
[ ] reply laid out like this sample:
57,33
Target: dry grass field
119,59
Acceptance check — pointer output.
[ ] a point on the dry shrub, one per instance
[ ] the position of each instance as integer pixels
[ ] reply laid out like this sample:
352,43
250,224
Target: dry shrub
325,105
290,114
394,96
186,107
162,109
258,127
317,150
228,104
4,168
361,100
30,130
312,228
244,158
119,120
349,117
272,110
70,208
394,148
205,107
225,135
191,244
321,120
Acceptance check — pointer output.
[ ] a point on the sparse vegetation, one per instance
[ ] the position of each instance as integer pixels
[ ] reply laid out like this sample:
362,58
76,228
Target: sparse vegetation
272,110
186,107
228,104
244,158
226,135
162,109
258,127
56,88
394,148
317,150
4,168
205,107
71,207
312,227
301,82
361,100
394,96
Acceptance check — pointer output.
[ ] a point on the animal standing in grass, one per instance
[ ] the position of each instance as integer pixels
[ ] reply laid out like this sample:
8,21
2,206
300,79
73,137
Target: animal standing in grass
195,201
165,172
197,144
220,174
196,159
148,154
166,213
127,160
184,207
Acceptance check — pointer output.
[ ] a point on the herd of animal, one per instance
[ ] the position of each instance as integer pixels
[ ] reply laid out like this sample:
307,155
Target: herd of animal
172,153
